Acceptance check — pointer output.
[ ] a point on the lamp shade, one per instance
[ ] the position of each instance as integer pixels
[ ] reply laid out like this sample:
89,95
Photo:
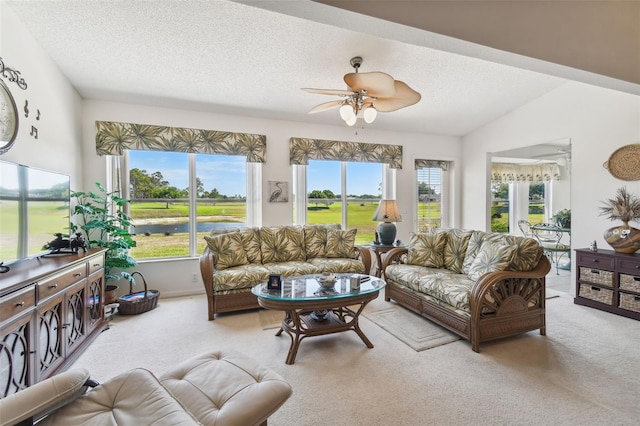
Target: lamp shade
387,213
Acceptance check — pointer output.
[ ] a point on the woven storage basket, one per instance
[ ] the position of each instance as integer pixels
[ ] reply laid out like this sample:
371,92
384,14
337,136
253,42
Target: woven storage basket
629,282
630,302
596,276
137,303
598,294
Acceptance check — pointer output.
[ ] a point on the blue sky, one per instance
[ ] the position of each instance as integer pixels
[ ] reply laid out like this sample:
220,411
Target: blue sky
227,173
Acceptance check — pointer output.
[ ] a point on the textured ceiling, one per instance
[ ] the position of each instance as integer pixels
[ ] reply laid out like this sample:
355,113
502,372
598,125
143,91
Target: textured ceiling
235,58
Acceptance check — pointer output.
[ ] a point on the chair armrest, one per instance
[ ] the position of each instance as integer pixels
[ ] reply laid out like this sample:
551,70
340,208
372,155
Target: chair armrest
364,254
395,255
206,270
43,397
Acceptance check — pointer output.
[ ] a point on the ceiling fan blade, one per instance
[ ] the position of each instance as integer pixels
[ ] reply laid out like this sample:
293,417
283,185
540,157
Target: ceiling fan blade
377,84
329,91
404,97
325,106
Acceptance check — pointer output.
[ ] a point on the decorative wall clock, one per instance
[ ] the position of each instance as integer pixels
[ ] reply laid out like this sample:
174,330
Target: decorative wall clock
8,119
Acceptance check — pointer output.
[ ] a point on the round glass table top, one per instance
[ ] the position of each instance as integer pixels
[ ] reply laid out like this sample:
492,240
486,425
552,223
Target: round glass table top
307,287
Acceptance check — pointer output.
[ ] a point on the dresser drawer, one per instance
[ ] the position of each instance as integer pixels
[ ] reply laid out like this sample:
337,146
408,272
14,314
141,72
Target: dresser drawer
96,264
598,294
18,302
631,265
630,282
596,276
630,302
53,285
588,259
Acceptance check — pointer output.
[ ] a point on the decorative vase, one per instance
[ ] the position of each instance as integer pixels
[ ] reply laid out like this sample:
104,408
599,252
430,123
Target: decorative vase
110,294
623,239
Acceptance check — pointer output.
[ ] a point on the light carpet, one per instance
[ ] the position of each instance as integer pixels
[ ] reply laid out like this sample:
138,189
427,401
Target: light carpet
583,372
270,319
410,328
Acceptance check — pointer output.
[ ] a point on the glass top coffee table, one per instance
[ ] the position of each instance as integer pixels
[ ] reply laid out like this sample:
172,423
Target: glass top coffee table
312,310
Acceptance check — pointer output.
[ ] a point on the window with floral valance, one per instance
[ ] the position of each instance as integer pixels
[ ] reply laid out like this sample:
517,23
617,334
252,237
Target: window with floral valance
301,150
432,164
113,138
513,173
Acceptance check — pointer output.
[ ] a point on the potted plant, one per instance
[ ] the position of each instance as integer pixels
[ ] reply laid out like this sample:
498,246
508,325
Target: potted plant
626,208
563,218
105,224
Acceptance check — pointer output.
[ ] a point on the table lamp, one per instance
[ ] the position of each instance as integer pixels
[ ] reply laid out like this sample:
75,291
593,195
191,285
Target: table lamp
387,213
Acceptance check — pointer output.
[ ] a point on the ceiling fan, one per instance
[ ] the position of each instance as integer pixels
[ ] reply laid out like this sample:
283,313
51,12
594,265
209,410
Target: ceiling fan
368,94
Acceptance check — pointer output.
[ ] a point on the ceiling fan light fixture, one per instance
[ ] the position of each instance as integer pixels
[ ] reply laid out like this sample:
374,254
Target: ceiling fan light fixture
352,120
370,114
346,112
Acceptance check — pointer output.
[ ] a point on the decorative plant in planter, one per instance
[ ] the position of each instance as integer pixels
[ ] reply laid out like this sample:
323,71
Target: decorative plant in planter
626,208
105,224
563,218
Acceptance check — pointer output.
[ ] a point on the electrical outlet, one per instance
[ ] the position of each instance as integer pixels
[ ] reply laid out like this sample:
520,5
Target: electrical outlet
195,278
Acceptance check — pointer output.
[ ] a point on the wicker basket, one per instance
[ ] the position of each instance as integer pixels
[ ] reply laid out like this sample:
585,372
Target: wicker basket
596,276
629,282
137,303
598,294
629,302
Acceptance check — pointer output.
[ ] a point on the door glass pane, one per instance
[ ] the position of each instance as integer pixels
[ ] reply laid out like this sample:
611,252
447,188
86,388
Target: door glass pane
323,199
159,193
221,182
536,203
429,198
364,186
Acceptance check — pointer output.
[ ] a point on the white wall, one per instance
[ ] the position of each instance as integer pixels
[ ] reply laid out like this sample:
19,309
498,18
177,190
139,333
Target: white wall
175,277
597,120
59,135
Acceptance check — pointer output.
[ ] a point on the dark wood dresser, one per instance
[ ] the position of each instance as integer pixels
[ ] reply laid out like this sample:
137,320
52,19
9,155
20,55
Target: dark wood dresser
608,281
50,310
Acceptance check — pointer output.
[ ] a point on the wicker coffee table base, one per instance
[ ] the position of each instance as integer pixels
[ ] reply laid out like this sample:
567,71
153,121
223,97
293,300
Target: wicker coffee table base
299,321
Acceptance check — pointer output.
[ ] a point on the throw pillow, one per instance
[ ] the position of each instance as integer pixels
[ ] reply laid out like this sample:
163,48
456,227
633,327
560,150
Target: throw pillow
282,244
251,242
227,250
491,257
456,249
427,249
315,240
341,243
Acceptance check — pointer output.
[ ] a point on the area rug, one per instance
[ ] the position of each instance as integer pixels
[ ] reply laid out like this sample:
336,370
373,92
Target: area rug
270,319
417,332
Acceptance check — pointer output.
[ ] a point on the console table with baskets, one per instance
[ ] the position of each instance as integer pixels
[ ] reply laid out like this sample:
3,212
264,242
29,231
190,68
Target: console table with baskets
608,281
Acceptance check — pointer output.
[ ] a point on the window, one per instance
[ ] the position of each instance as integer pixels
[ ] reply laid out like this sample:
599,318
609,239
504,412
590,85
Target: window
431,195
177,198
342,192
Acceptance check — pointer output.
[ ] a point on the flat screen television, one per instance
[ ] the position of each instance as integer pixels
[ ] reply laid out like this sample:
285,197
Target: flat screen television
34,207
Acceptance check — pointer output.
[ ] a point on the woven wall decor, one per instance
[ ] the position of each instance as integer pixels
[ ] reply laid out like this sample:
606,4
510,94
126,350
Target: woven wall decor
624,163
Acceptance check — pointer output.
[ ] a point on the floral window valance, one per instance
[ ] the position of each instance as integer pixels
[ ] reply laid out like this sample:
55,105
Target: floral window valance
113,138
432,164
512,173
301,150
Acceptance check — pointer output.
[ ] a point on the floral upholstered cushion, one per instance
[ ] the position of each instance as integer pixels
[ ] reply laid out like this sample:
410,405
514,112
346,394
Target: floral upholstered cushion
315,240
491,257
456,249
338,265
341,243
427,249
453,289
239,277
282,244
527,255
475,242
251,244
227,250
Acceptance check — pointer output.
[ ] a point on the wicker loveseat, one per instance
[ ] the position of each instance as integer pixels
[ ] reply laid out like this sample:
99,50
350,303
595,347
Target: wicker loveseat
237,259
481,286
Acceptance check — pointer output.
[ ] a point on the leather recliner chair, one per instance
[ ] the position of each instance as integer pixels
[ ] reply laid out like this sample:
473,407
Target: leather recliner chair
216,388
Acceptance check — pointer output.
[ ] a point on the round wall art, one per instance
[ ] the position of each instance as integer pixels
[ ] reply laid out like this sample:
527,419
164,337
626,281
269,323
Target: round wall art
624,163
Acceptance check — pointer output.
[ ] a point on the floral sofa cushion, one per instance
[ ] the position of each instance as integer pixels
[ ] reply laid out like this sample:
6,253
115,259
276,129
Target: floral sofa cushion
340,243
426,249
492,256
245,276
282,244
338,265
228,249
288,269
315,239
251,244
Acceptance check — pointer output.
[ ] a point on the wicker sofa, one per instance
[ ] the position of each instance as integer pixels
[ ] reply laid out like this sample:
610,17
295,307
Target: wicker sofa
236,259
481,286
